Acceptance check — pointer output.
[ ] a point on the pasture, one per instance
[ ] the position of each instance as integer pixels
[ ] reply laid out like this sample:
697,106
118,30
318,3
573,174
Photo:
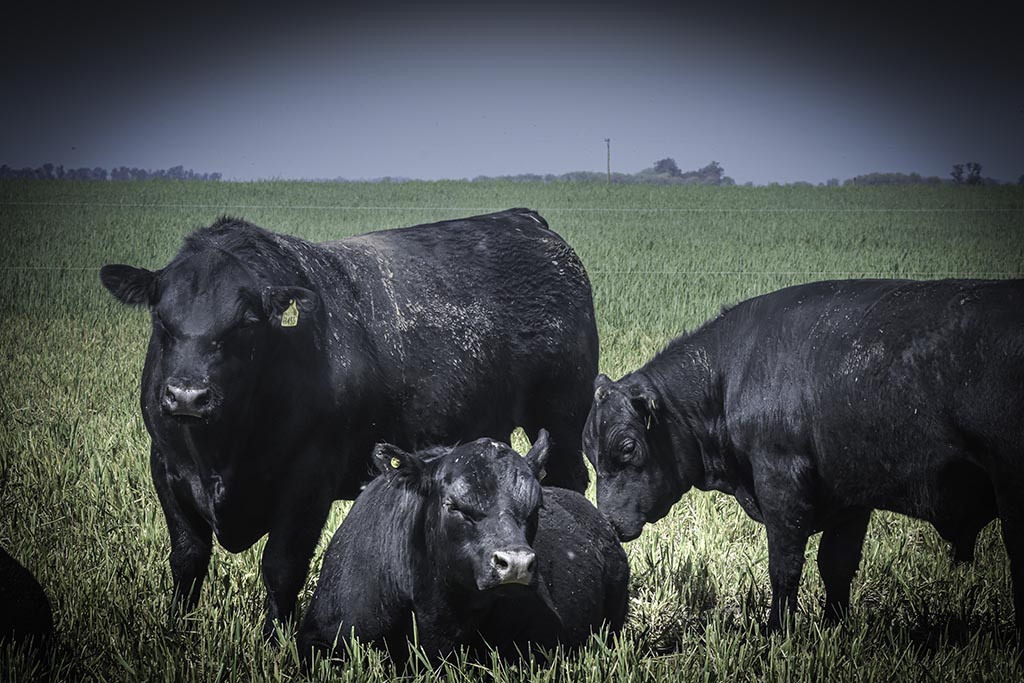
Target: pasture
77,506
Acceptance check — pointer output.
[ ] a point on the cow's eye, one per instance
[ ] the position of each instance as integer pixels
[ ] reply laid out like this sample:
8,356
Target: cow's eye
462,512
627,451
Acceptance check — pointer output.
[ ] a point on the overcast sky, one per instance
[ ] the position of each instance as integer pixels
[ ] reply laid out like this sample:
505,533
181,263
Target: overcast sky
446,90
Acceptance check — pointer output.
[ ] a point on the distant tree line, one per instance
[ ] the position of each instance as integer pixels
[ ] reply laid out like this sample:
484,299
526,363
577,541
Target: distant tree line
58,172
664,172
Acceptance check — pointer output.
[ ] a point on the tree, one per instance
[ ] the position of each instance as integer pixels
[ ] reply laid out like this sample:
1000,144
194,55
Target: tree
958,174
667,166
973,173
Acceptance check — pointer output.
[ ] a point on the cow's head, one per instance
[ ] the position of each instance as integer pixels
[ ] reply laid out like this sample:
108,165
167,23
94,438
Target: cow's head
481,503
214,325
636,482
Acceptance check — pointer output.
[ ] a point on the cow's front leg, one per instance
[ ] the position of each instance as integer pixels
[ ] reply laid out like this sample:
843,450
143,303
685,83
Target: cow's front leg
782,483
838,558
191,541
285,563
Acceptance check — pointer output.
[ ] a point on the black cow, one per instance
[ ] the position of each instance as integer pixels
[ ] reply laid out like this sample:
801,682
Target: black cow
276,364
25,613
814,405
465,541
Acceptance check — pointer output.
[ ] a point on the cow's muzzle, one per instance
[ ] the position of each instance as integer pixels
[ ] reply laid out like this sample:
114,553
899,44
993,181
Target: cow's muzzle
513,567
182,398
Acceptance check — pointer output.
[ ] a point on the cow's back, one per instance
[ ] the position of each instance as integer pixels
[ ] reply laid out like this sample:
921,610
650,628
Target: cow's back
583,564
901,377
470,314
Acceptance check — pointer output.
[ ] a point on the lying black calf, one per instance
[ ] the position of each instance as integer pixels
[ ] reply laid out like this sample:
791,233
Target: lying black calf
465,541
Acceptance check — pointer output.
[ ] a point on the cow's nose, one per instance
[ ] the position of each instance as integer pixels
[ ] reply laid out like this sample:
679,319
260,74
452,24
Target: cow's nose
187,400
514,566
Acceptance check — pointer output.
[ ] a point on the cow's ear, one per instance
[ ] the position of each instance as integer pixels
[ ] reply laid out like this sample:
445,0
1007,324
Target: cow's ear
130,285
289,306
398,465
601,386
537,457
645,403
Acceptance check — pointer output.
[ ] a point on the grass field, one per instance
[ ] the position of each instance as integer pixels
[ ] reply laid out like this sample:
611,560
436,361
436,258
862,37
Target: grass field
78,509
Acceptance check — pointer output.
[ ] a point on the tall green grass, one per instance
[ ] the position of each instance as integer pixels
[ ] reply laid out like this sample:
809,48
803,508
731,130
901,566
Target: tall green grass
77,506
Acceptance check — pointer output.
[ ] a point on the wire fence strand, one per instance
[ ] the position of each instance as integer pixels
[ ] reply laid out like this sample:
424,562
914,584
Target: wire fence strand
577,209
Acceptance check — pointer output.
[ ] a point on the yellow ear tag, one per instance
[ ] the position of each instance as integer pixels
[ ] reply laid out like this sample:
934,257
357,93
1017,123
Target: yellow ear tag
395,463
290,317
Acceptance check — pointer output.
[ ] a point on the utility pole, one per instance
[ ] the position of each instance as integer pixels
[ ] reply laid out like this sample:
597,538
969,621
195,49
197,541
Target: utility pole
608,142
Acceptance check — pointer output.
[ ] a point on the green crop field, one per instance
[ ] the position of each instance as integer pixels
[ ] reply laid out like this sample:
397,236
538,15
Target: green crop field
77,506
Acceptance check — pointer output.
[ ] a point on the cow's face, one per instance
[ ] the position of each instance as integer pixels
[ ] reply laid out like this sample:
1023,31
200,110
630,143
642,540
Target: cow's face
635,484
481,506
213,328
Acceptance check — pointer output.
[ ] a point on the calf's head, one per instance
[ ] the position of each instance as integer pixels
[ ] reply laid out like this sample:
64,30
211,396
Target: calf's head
481,503
213,323
636,482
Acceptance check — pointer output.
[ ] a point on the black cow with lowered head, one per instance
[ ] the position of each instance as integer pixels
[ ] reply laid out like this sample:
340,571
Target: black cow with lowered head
814,405
466,542
275,364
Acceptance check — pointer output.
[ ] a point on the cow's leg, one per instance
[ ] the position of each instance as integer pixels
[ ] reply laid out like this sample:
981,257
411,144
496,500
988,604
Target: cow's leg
562,410
839,556
564,468
286,557
780,482
786,547
1011,518
191,541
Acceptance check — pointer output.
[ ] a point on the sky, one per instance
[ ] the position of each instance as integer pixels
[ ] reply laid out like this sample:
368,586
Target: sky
457,90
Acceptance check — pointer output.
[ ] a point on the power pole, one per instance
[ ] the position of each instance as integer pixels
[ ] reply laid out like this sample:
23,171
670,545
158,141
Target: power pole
608,142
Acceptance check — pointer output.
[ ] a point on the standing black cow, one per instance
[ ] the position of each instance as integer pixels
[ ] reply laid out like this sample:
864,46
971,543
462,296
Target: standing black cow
464,541
817,403
276,364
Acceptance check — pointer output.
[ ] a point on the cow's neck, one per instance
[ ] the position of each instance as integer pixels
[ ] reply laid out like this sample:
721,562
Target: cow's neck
691,431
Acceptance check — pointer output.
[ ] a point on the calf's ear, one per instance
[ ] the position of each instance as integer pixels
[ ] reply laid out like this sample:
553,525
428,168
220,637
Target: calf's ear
645,403
289,306
130,285
398,465
538,454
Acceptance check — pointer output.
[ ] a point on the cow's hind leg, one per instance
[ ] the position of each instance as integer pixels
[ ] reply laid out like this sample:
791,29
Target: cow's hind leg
839,555
561,404
564,468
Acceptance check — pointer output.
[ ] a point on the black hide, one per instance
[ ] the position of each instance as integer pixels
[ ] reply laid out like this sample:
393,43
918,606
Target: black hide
25,613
